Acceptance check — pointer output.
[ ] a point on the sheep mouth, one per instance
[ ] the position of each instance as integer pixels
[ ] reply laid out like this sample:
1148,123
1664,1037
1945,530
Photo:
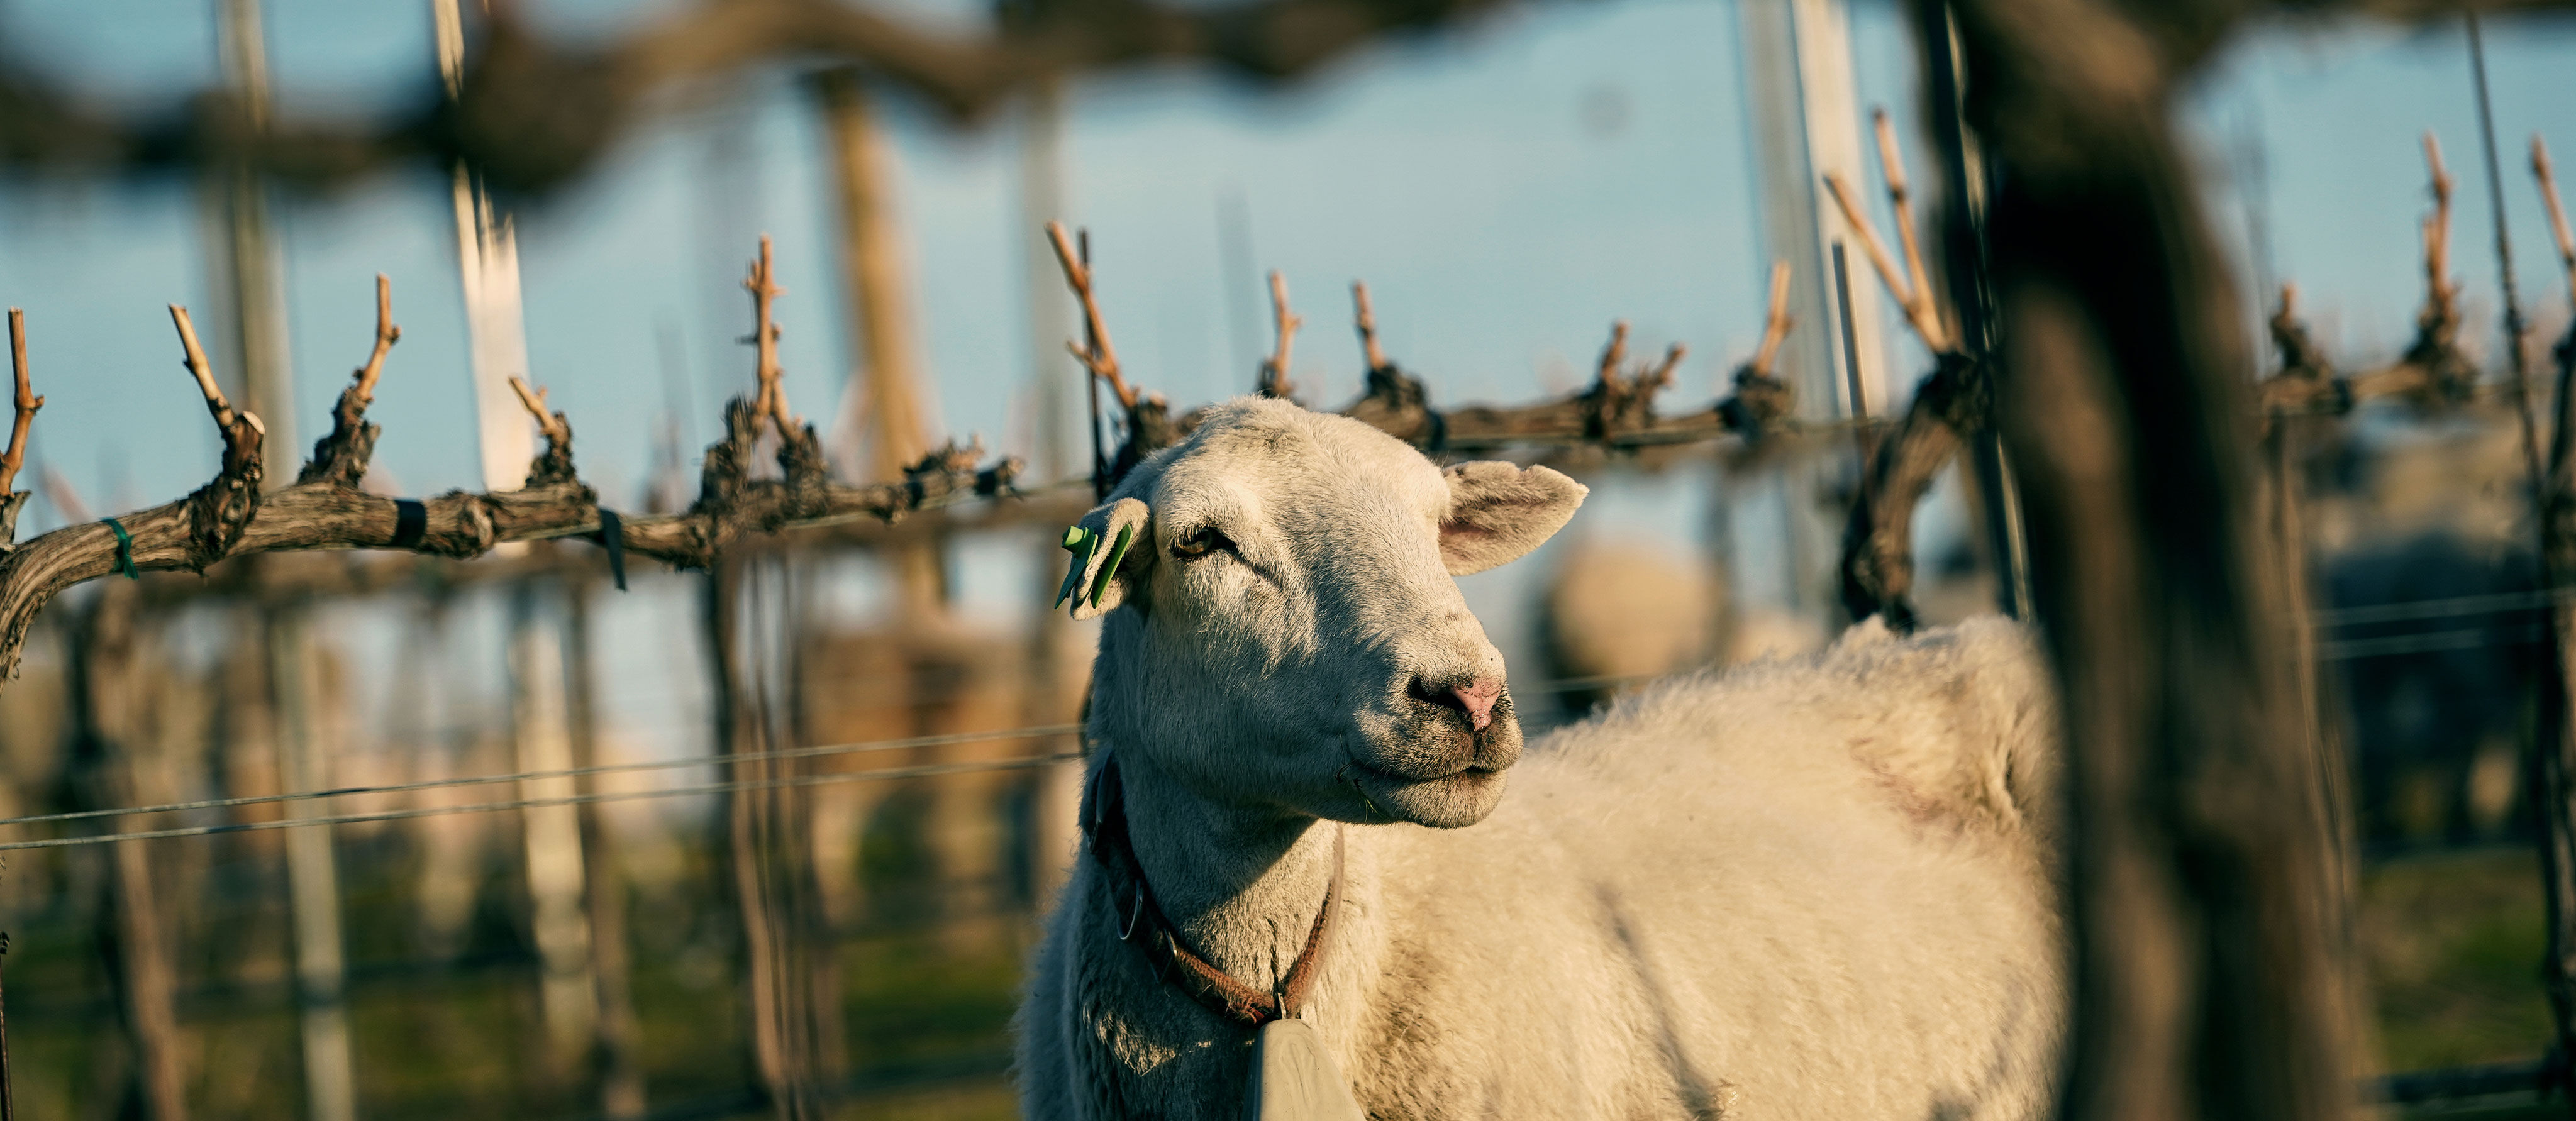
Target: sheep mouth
1449,800
1428,767
1393,778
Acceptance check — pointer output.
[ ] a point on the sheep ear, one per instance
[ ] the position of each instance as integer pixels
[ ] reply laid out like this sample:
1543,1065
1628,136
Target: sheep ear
1499,511
1112,547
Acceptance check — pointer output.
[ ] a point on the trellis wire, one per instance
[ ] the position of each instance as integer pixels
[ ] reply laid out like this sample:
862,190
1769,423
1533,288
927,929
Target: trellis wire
2337,650
2466,639
572,772
1038,731
2488,604
568,800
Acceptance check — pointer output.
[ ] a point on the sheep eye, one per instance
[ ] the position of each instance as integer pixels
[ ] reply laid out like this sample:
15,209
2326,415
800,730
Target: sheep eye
1200,543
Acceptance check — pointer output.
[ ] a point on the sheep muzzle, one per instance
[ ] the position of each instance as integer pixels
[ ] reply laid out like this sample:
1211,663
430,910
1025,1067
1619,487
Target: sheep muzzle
1436,766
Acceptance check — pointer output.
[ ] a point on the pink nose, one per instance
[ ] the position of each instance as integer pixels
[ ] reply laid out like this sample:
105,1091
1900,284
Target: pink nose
1477,699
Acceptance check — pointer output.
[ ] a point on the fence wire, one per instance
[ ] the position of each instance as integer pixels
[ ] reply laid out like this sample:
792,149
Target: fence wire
568,800
1040,731
1036,732
2496,603
2507,603
2431,642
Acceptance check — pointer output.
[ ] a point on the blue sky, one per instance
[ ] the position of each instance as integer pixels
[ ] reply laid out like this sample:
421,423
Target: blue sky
1469,178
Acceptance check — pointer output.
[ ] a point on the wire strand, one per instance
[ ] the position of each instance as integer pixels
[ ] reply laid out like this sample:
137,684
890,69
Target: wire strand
1037,732
568,800
2329,651
2487,604
853,748
2466,639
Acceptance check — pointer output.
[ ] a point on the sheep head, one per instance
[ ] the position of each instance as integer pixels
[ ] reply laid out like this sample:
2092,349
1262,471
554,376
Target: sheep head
1282,628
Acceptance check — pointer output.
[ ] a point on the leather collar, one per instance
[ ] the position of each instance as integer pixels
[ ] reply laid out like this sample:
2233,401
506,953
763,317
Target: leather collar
1141,922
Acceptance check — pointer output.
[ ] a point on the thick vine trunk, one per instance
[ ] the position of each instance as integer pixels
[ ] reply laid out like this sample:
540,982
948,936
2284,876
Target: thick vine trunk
2207,983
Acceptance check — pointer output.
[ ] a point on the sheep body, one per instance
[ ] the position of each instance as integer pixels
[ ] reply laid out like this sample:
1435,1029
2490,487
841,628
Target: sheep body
1809,888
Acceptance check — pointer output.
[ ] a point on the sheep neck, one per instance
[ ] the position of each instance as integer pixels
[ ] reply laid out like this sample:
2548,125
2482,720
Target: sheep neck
1243,886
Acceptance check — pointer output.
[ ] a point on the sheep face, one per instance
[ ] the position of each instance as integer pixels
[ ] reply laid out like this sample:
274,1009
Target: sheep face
1284,630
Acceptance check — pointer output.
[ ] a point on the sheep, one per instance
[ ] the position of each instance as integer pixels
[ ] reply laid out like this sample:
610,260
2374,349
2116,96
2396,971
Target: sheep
1816,888
1614,616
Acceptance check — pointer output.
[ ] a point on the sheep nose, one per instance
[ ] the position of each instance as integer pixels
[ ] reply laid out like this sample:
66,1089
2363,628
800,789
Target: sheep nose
1475,698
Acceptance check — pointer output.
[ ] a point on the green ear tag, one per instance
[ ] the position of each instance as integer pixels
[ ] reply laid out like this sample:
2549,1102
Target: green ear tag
1080,542
1118,552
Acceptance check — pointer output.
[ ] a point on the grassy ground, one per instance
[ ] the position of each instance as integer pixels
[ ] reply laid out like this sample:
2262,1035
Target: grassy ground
2518,1109
2453,943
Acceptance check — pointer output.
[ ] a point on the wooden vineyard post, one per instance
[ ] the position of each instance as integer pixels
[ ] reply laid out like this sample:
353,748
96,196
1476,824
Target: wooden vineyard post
313,875
487,262
2283,456
2554,773
254,283
884,396
2288,531
812,961
2553,781
106,702
2551,786
552,848
1056,790
251,281
1963,245
746,825
1798,65
614,1060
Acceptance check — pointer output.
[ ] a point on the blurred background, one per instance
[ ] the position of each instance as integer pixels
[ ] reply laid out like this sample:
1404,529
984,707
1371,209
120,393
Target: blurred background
844,936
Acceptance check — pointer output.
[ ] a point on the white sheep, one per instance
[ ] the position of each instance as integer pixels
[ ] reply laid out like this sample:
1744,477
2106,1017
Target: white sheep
1804,889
